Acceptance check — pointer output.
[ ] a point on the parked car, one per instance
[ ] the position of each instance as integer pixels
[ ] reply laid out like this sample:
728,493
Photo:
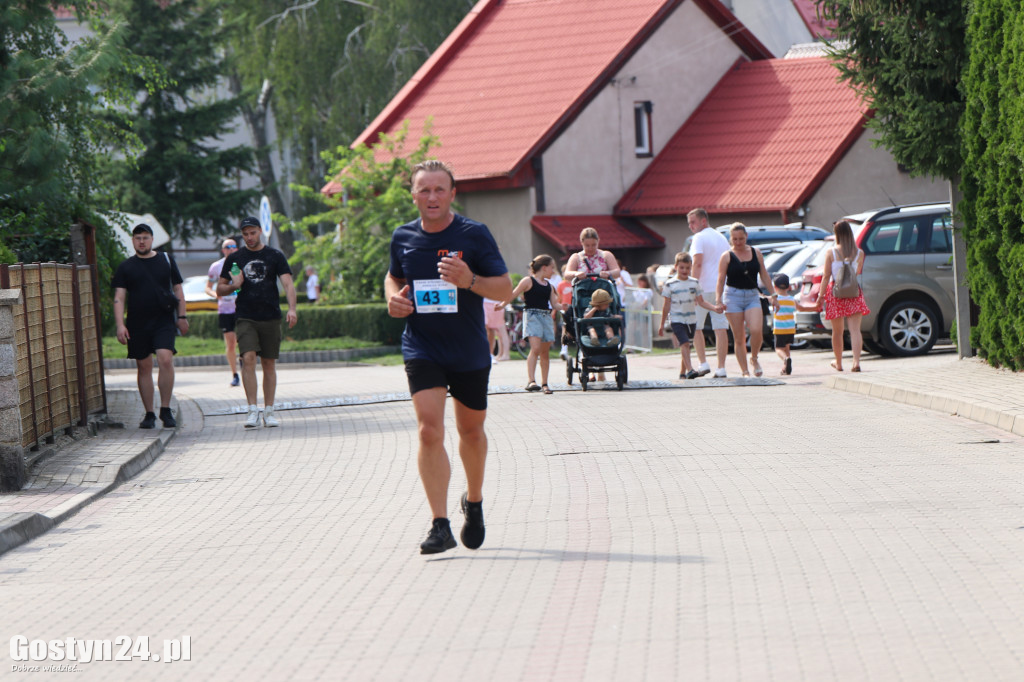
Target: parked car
907,281
194,289
767,237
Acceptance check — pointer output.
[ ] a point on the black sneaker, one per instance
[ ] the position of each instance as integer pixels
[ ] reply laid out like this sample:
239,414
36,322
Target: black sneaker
235,381
692,374
472,534
438,539
789,366
167,418
148,422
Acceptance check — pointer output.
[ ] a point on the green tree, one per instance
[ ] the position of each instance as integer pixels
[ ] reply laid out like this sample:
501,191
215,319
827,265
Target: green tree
183,176
374,201
326,69
55,131
905,57
993,178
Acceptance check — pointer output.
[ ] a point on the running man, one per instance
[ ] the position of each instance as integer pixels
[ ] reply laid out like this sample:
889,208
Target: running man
225,308
442,265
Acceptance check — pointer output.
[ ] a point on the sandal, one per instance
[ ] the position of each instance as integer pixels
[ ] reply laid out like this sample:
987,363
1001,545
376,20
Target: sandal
547,391
855,368
835,366
532,386
757,369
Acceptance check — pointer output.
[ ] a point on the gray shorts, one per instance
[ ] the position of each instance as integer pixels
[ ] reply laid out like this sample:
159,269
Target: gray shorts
539,323
718,320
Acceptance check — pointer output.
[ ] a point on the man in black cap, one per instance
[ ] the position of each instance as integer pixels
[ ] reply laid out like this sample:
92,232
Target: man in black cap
253,272
146,281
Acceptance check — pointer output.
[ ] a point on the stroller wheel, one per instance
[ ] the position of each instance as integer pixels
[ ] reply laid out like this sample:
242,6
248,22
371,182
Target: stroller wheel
583,375
568,371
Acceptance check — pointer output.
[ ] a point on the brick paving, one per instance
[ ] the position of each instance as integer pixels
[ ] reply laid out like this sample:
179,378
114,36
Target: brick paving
768,531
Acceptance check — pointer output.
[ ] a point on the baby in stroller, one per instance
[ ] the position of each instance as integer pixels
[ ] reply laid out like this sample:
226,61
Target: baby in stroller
600,301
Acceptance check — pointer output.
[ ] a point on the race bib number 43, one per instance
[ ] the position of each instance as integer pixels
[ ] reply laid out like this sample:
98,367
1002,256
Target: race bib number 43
435,296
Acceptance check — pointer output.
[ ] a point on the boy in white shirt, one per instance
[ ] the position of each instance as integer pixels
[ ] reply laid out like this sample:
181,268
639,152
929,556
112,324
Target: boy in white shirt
682,296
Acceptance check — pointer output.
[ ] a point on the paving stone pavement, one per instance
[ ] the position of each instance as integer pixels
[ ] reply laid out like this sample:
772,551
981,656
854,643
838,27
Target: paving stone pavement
767,531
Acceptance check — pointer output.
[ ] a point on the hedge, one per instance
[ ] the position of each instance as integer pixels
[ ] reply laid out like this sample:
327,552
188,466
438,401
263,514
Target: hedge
993,178
366,321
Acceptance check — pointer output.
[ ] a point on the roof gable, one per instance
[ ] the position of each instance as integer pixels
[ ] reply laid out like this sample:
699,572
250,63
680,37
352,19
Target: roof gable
515,72
763,140
818,27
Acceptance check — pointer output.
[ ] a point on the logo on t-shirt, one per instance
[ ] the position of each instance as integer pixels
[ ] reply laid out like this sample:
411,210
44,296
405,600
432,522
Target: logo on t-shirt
256,271
442,253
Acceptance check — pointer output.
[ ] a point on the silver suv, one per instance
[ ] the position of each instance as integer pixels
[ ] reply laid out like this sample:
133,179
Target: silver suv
907,281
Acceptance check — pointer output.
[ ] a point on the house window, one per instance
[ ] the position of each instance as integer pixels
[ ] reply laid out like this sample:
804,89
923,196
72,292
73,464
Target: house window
642,127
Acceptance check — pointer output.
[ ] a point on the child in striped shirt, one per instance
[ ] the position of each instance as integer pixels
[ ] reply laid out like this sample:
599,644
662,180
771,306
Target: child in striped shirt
785,306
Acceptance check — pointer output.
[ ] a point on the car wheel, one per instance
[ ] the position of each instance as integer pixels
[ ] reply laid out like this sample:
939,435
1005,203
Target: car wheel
908,328
875,347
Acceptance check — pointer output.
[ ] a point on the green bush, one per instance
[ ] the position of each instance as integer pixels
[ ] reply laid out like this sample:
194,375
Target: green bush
993,179
366,321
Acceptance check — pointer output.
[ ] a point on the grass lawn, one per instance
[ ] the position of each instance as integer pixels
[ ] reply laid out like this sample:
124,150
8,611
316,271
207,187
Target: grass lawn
190,345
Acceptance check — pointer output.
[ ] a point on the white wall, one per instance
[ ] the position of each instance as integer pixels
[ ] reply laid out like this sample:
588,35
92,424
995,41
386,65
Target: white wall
776,23
592,164
867,178
507,214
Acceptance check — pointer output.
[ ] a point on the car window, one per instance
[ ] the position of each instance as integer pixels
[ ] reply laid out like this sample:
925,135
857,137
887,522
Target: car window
942,235
894,236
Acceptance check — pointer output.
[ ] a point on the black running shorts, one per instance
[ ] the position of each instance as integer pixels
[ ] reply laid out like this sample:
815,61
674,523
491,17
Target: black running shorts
469,388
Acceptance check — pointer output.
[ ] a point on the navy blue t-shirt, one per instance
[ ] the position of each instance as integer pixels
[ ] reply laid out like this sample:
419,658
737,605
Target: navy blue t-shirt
456,341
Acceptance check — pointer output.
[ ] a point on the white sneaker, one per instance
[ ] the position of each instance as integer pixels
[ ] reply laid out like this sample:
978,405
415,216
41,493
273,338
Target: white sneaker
253,418
720,373
269,420
565,353
704,369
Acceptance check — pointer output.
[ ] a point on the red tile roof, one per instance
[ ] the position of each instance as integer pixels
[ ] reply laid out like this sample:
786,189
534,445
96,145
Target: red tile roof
808,10
763,140
515,72
616,233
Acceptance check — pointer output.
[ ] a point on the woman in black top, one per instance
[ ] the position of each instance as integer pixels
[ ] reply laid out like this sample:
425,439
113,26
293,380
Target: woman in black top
740,300
541,302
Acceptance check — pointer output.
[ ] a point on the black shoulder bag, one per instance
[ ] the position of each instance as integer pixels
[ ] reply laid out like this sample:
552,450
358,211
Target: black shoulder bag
166,300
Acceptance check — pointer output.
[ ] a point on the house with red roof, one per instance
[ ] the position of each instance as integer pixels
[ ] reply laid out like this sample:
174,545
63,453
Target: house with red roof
562,114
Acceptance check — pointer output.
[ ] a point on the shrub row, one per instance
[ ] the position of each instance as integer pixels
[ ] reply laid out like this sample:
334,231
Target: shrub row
366,321
993,179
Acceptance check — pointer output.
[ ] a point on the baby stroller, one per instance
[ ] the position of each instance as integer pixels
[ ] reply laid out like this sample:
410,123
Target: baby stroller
603,356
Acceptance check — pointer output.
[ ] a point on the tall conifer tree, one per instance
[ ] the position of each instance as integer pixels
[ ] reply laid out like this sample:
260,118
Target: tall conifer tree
184,176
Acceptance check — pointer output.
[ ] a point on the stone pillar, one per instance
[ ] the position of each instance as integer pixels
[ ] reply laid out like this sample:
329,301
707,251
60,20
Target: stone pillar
12,457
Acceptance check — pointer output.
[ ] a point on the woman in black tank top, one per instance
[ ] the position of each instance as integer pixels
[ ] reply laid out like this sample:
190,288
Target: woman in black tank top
739,298
538,326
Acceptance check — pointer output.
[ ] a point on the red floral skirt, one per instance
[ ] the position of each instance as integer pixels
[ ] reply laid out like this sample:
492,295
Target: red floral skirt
844,307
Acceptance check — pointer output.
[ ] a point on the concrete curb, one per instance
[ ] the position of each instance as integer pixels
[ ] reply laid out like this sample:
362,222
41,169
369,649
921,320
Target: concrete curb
993,416
20,527
303,356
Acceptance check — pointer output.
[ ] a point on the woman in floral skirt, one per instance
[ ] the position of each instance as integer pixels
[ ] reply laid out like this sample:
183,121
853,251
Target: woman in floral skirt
840,310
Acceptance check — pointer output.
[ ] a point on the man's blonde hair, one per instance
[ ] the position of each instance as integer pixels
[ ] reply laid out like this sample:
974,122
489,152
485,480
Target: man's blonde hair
430,166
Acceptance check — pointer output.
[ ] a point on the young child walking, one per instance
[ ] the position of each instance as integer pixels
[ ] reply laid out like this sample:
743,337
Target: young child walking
541,303
785,305
682,296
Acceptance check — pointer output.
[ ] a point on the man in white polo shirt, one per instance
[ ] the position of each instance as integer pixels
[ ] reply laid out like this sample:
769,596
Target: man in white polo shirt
706,249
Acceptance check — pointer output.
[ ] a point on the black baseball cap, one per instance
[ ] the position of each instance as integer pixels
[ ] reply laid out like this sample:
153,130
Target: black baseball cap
782,281
250,221
142,227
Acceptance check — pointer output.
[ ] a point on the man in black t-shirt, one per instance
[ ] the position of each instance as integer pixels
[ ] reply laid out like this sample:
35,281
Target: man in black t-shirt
150,328
441,266
253,272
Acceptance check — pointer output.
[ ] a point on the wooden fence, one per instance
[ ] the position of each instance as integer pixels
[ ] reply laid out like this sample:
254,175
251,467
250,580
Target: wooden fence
59,357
